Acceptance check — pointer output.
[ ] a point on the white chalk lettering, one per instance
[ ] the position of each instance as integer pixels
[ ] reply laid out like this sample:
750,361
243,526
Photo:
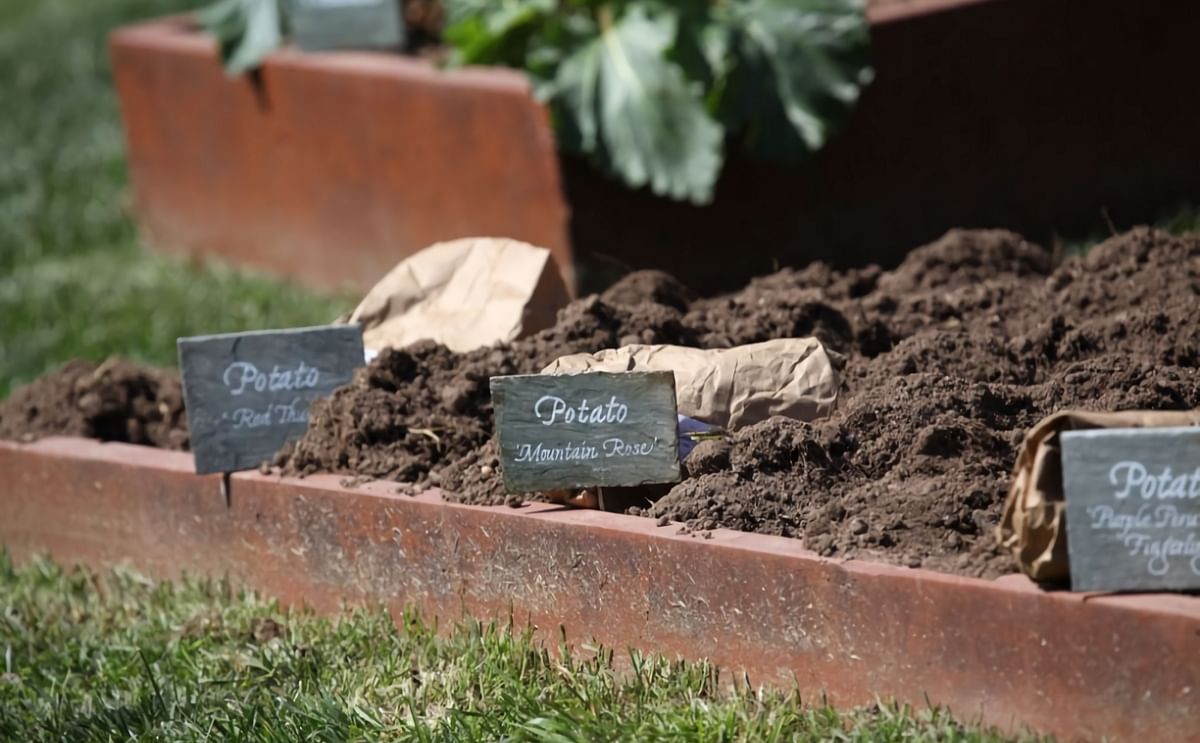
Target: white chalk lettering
293,412
243,375
615,447
250,418
1130,477
1160,551
550,409
565,453
1170,517
275,414
1107,517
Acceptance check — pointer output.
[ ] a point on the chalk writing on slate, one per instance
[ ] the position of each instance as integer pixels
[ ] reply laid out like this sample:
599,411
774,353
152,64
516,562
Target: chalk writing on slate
321,25
1133,508
246,394
581,430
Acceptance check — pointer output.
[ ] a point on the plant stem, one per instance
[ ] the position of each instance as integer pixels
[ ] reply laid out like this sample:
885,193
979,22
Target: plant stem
604,15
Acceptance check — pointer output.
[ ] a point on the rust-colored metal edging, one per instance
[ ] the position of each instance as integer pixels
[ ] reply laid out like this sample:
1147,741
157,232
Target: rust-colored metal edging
1002,651
331,167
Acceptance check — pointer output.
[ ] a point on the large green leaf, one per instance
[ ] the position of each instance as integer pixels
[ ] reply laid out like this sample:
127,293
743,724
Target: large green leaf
494,31
648,88
635,109
248,30
798,68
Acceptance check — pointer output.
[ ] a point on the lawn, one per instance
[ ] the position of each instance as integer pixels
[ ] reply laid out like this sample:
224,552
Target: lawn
119,657
74,281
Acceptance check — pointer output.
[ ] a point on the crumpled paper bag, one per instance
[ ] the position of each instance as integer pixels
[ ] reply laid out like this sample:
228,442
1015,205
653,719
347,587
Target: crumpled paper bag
732,387
1034,526
464,294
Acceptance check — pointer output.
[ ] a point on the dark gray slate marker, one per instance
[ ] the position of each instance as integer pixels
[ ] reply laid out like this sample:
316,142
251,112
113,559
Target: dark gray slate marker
1133,508
321,25
246,394
583,430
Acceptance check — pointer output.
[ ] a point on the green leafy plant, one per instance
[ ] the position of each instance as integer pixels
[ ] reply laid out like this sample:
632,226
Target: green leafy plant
247,30
652,90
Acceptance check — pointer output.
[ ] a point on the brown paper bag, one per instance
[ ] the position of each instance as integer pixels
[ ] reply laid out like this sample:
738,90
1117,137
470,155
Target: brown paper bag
732,387
464,294
1033,527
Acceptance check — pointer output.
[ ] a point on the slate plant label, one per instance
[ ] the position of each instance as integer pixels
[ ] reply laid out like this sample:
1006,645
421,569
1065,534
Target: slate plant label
584,430
321,25
1133,508
246,394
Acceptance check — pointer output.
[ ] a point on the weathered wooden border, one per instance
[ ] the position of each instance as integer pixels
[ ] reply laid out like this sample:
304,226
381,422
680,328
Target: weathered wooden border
1001,651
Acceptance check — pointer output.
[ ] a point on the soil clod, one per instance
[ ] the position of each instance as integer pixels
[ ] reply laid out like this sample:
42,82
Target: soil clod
113,401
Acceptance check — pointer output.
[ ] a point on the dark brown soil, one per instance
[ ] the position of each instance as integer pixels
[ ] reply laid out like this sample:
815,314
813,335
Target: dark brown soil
113,401
951,357
423,22
418,415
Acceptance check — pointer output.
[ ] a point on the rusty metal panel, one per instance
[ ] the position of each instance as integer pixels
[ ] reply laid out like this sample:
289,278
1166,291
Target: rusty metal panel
330,168
1001,651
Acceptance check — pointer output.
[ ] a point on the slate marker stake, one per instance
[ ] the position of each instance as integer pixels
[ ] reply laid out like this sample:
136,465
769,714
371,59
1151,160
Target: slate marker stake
1133,508
586,430
247,394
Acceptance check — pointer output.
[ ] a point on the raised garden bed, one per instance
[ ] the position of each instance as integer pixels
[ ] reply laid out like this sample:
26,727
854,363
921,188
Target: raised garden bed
1001,651
949,359
339,165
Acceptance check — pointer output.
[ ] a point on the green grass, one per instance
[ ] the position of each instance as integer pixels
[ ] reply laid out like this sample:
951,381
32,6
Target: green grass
118,657
74,281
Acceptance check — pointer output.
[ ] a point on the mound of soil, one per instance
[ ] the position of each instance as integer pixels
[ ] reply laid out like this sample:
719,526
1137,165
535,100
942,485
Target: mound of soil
113,401
420,414
952,356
